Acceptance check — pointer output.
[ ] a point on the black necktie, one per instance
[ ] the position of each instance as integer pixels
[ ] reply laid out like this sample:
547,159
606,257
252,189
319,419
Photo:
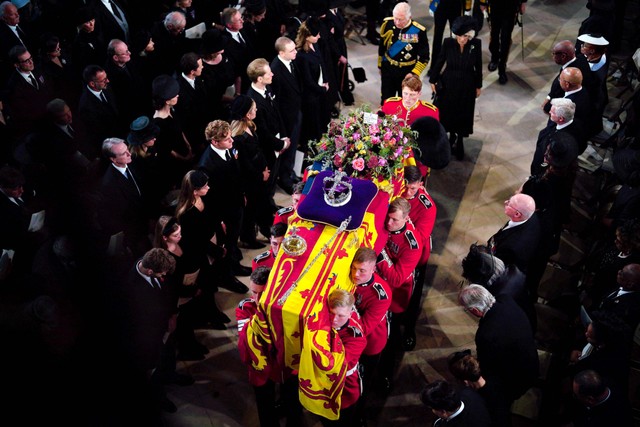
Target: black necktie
293,69
21,35
116,12
132,179
104,98
156,282
33,81
70,131
227,155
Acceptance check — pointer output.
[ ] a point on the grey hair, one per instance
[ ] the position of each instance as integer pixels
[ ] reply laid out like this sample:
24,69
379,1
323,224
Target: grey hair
56,106
107,146
174,19
4,5
403,7
565,108
476,296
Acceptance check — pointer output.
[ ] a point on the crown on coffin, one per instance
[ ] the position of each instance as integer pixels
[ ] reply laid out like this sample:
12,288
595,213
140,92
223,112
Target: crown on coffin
337,189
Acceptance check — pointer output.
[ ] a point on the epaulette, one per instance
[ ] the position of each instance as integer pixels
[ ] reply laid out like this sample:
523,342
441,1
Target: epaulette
355,331
261,256
388,18
394,98
382,294
418,25
413,242
425,201
242,303
429,105
284,210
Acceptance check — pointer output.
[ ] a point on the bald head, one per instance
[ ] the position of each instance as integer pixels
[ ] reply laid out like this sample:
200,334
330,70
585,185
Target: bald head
563,52
629,277
570,79
519,207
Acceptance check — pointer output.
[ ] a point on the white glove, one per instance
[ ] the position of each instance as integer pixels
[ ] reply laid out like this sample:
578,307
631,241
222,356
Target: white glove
467,13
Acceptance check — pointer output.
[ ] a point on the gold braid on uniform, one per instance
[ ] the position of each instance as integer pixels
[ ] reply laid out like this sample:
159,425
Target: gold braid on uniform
385,37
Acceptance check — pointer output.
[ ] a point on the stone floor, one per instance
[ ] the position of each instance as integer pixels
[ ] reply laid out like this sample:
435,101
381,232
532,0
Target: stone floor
469,195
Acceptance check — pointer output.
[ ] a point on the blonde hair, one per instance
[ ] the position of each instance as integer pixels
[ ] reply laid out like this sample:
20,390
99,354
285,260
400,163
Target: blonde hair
340,298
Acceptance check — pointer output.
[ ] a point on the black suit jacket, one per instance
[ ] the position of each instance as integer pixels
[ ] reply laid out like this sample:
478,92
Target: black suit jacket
575,129
626,306
268,125
586,112
102,118
288,92
194,110
15,223
506,348
25,104
225,182
122,207
128,87
240,55
106,24
517,245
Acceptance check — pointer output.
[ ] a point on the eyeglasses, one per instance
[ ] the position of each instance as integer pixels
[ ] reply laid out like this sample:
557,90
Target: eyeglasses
508,203
29,59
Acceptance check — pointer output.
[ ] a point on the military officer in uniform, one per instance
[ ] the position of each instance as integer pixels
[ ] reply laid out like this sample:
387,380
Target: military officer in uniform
404,48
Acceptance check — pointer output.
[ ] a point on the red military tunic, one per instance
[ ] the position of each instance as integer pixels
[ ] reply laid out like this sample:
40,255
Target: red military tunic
372,301
423,216
245,311
263,259
354,342
394,107
282,215
400,257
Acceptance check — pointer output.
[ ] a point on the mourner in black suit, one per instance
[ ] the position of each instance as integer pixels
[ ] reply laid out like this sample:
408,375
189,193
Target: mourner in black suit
516,242
625,301
111,21
287,88
226,191
27,92
571,82
272,134
170,43
504,341
464,408
98,108
238,45
122,207
11,34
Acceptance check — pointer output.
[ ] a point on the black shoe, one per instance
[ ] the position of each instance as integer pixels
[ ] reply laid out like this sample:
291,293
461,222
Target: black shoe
251,245
502,79
219,317
386,386
167,406
492,66
178,379
240,270
459,148
235,285
295,179
409,342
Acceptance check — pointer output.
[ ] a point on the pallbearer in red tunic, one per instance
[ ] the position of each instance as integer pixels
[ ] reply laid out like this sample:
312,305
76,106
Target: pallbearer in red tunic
409,107
267,258
344,323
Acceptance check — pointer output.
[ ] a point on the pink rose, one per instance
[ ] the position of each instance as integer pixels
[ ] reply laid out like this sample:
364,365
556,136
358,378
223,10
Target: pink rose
358,164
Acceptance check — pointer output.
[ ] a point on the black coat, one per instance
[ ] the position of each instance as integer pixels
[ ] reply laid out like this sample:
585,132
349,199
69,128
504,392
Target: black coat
102,118
512,283
517,245
506,348
268,125
287,89
106,24
456,94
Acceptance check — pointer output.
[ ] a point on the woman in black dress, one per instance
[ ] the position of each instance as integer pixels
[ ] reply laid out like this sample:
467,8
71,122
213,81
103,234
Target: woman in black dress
457,87
57,71
217,72
315,109
253,165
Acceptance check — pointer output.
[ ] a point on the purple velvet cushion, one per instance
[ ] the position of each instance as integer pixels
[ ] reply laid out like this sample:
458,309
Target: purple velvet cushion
314,208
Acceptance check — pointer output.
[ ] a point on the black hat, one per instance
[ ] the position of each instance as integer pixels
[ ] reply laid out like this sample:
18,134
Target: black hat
478,266
199,179
240,107
165,87
140,41
463,24
313,25
433,143
83,15
626,163
142,130
213,41
562,150
255,7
